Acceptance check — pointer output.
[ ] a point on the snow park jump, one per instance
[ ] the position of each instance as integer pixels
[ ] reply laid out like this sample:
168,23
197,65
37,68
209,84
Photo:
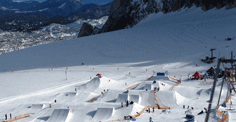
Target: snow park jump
59,115
103,114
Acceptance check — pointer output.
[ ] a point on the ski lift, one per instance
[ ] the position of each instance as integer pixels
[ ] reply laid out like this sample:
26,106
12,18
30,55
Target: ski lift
211,59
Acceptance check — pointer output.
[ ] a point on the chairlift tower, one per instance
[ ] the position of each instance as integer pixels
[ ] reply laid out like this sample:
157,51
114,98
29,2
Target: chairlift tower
221,60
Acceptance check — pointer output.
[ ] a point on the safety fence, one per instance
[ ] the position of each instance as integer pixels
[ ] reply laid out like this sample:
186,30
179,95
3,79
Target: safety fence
221,114
224,116
175,86
149,78
173,79
19,117
206,83
159,105
92,100
130,87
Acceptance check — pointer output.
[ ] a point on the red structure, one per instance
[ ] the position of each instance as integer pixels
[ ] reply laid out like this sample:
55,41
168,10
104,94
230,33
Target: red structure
99,75
197,75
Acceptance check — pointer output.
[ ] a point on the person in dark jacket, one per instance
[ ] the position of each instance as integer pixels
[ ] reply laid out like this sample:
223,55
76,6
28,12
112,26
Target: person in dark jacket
127,103
5,116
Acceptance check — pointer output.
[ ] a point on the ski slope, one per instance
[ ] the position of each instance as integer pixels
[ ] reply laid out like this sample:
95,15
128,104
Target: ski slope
175,41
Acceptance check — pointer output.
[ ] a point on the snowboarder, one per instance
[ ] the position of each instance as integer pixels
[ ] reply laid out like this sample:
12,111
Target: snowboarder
127,103
150,119
153,109
10,116
205,110
5,116
200,112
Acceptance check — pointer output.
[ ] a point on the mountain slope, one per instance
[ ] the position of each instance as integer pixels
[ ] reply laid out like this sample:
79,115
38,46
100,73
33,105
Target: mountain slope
178,35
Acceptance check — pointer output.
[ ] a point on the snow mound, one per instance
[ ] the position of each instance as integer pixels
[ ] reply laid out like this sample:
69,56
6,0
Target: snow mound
59,115
103,114
90,86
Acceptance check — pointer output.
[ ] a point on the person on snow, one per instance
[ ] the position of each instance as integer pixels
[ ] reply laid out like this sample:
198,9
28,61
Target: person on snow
200,112
188,107
150,119
75,89
205,109
5,116
121,104
183,106
55,101
148,110
10,116
153,109
127,103
192,108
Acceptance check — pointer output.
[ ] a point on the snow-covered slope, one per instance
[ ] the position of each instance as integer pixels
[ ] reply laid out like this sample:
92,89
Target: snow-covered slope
161,42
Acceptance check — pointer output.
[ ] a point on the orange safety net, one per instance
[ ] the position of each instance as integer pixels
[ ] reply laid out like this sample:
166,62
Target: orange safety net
130,87
219,113
175,86
173,78
94,98
19,117
206,83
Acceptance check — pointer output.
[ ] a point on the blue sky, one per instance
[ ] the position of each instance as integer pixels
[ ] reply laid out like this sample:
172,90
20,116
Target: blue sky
98,2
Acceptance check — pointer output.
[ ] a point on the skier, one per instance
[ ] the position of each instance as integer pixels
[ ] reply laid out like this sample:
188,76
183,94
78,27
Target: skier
183,106
10,116
127,103
153,109
192,108
5,116
188,107
121,104
148,110
55,101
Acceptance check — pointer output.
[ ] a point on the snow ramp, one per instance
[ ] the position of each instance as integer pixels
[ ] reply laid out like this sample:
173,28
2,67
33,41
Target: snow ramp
109,96
148,87
90,86
59,115
122,98
134,98
102,114
170,98
36,108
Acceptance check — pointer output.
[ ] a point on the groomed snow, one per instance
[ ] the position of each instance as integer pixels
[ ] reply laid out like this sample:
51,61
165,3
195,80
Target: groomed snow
42,74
